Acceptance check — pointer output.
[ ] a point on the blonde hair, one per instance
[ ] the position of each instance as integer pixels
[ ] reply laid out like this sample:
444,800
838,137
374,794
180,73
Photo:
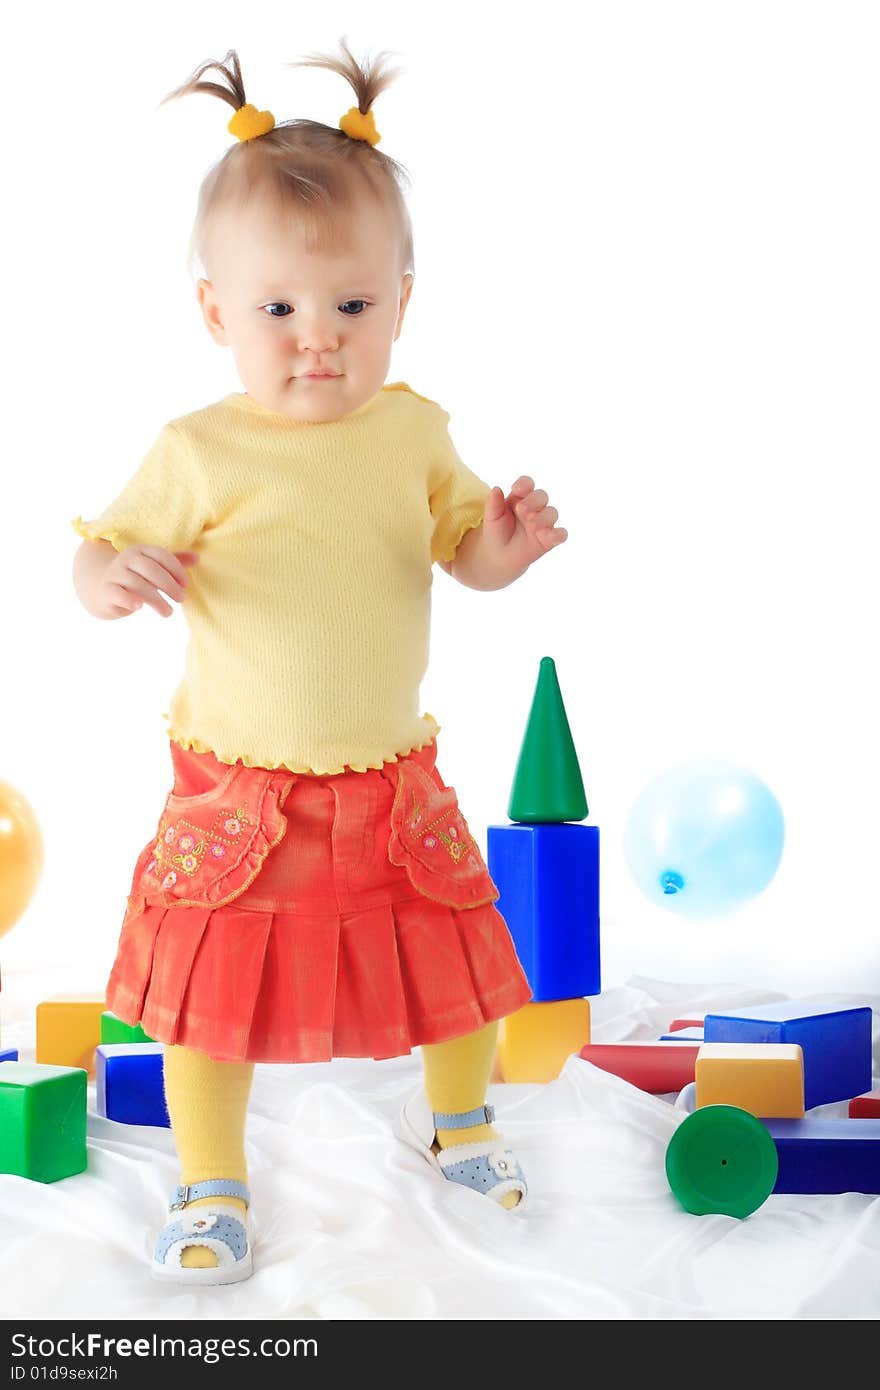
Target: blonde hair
312,169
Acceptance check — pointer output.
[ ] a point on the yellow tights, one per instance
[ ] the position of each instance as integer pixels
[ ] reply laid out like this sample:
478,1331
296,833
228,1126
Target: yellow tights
208,1100
207,1105
456,1078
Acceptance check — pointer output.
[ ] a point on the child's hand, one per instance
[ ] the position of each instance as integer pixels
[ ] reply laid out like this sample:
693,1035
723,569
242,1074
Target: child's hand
519,528
138,573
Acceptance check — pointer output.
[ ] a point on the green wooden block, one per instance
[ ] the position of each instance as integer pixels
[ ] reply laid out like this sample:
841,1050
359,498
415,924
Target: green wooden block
113,1030
42,1120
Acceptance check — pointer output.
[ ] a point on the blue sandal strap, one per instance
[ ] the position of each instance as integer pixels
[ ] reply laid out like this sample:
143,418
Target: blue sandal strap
463,1119
210,1187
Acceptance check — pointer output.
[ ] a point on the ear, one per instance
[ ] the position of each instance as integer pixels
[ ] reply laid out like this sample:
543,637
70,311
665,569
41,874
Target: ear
405,292
211,311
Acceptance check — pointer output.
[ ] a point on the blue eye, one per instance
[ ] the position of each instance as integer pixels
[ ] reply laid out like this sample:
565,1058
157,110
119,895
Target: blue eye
344,306
277,304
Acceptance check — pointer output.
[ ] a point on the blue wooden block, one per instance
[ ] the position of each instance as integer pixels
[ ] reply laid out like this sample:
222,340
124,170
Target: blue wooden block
818,1155
836,1043
548,880
684,1035
130,1086
8,1054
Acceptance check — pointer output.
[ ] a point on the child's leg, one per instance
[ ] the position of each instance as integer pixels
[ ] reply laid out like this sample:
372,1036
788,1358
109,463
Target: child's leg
207,1104
456,1079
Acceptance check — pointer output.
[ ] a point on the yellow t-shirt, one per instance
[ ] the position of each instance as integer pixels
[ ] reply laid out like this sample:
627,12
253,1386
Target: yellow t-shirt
309,608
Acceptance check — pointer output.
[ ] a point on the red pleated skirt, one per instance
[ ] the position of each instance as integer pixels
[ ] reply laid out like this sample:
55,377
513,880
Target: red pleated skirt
286,917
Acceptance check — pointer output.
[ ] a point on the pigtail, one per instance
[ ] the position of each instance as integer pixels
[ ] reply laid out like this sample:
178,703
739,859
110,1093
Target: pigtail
231,70
366,80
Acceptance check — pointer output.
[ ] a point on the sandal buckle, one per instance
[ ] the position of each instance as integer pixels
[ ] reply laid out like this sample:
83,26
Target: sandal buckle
181,1201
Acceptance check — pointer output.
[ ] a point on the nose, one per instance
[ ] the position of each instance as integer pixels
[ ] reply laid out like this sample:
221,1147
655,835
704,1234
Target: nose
316,333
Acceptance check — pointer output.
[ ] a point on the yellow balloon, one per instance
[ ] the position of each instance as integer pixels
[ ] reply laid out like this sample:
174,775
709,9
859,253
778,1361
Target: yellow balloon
21,855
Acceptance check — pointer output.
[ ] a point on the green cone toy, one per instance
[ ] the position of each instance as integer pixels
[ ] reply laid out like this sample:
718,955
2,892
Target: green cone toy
547,784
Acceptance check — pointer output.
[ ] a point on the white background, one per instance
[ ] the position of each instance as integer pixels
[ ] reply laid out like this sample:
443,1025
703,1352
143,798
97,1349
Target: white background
646,274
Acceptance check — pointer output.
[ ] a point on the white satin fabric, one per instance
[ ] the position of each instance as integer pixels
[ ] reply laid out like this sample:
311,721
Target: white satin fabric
351,1224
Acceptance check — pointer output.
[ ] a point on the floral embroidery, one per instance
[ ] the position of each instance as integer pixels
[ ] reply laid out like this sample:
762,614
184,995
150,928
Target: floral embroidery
457,845
182,845
231,824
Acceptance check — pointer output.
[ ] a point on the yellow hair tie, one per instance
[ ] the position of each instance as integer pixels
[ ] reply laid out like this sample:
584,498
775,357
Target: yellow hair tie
360,125
248,122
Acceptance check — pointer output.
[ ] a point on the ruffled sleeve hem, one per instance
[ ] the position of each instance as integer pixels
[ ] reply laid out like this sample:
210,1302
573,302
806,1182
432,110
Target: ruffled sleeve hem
93,531
227,755
445,549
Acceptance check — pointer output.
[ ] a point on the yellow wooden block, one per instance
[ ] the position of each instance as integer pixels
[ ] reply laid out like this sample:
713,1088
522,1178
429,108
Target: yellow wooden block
766,1079
534,1043
69,1030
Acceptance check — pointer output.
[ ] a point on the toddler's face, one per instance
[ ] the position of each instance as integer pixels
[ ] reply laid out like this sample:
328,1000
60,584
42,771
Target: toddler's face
288,311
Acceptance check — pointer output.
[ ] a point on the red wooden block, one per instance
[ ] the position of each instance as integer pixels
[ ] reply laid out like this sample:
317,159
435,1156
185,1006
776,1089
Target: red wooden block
865,1107
657,1067
696,1022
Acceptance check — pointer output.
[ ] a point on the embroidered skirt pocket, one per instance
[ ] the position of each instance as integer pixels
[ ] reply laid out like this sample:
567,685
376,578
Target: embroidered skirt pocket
431,840
209,848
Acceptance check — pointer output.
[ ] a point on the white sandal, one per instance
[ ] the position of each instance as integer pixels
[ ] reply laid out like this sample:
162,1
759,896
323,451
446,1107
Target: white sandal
483,1165
217,1228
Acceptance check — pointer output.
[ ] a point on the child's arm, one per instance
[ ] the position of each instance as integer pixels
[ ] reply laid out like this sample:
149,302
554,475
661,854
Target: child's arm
515,531
113,584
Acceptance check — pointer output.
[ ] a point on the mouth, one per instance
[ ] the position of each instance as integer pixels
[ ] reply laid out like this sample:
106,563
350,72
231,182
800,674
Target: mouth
320,376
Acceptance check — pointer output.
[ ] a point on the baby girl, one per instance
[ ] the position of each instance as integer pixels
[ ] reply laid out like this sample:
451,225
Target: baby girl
312,889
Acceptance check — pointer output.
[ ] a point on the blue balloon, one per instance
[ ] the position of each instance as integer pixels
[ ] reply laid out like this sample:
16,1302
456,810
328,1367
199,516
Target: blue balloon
703,838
